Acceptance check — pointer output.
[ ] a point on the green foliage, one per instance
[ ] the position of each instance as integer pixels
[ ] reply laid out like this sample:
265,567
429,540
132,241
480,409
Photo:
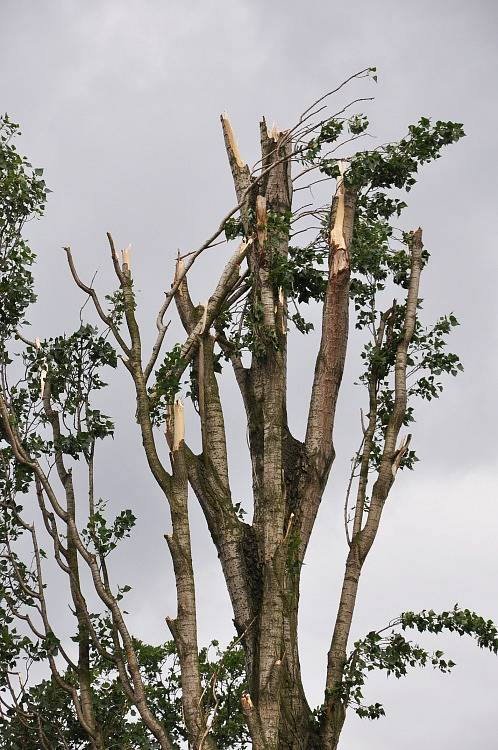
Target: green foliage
329,133
167,385
22,189
375,262
234,228
301,275
57,719
357,124
427,361
396,164
380,265
277,226
22,196
116,309
192,383
18,588
222,674
72,368
73,364
14,646
251,333
394,654
104,536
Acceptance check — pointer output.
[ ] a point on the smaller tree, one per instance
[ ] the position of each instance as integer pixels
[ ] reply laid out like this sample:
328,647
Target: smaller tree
44,716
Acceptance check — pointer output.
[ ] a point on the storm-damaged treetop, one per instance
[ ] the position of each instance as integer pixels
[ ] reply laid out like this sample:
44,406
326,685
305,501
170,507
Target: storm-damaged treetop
351,254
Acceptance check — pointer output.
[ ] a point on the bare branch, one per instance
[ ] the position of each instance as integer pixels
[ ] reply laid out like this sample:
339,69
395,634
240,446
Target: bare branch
93,294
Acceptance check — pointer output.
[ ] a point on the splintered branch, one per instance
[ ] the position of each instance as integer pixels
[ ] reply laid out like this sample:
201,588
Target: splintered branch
178,425
330,361
240,170
337,239
254,723
329,366
245,181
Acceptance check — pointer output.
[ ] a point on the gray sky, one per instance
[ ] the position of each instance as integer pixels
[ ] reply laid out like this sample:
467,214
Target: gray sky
119,100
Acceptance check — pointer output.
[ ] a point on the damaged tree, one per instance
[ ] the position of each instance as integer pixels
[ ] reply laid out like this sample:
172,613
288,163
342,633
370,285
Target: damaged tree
350,259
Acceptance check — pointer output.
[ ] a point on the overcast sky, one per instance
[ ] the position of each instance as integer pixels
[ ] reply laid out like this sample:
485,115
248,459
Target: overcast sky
119,100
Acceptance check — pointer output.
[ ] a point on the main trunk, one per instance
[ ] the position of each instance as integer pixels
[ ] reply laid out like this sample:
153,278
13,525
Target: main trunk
288,476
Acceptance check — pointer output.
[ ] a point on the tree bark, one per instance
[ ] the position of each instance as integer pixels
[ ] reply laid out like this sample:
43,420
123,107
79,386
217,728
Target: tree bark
363,539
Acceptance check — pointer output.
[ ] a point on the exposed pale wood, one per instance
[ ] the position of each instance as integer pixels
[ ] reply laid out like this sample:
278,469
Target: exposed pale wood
231,141
337,238
178,424
261,220
126,258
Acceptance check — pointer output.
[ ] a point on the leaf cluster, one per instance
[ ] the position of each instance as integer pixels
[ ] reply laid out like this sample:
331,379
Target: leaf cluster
105,536
223,680
395,655
167,385
23,194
